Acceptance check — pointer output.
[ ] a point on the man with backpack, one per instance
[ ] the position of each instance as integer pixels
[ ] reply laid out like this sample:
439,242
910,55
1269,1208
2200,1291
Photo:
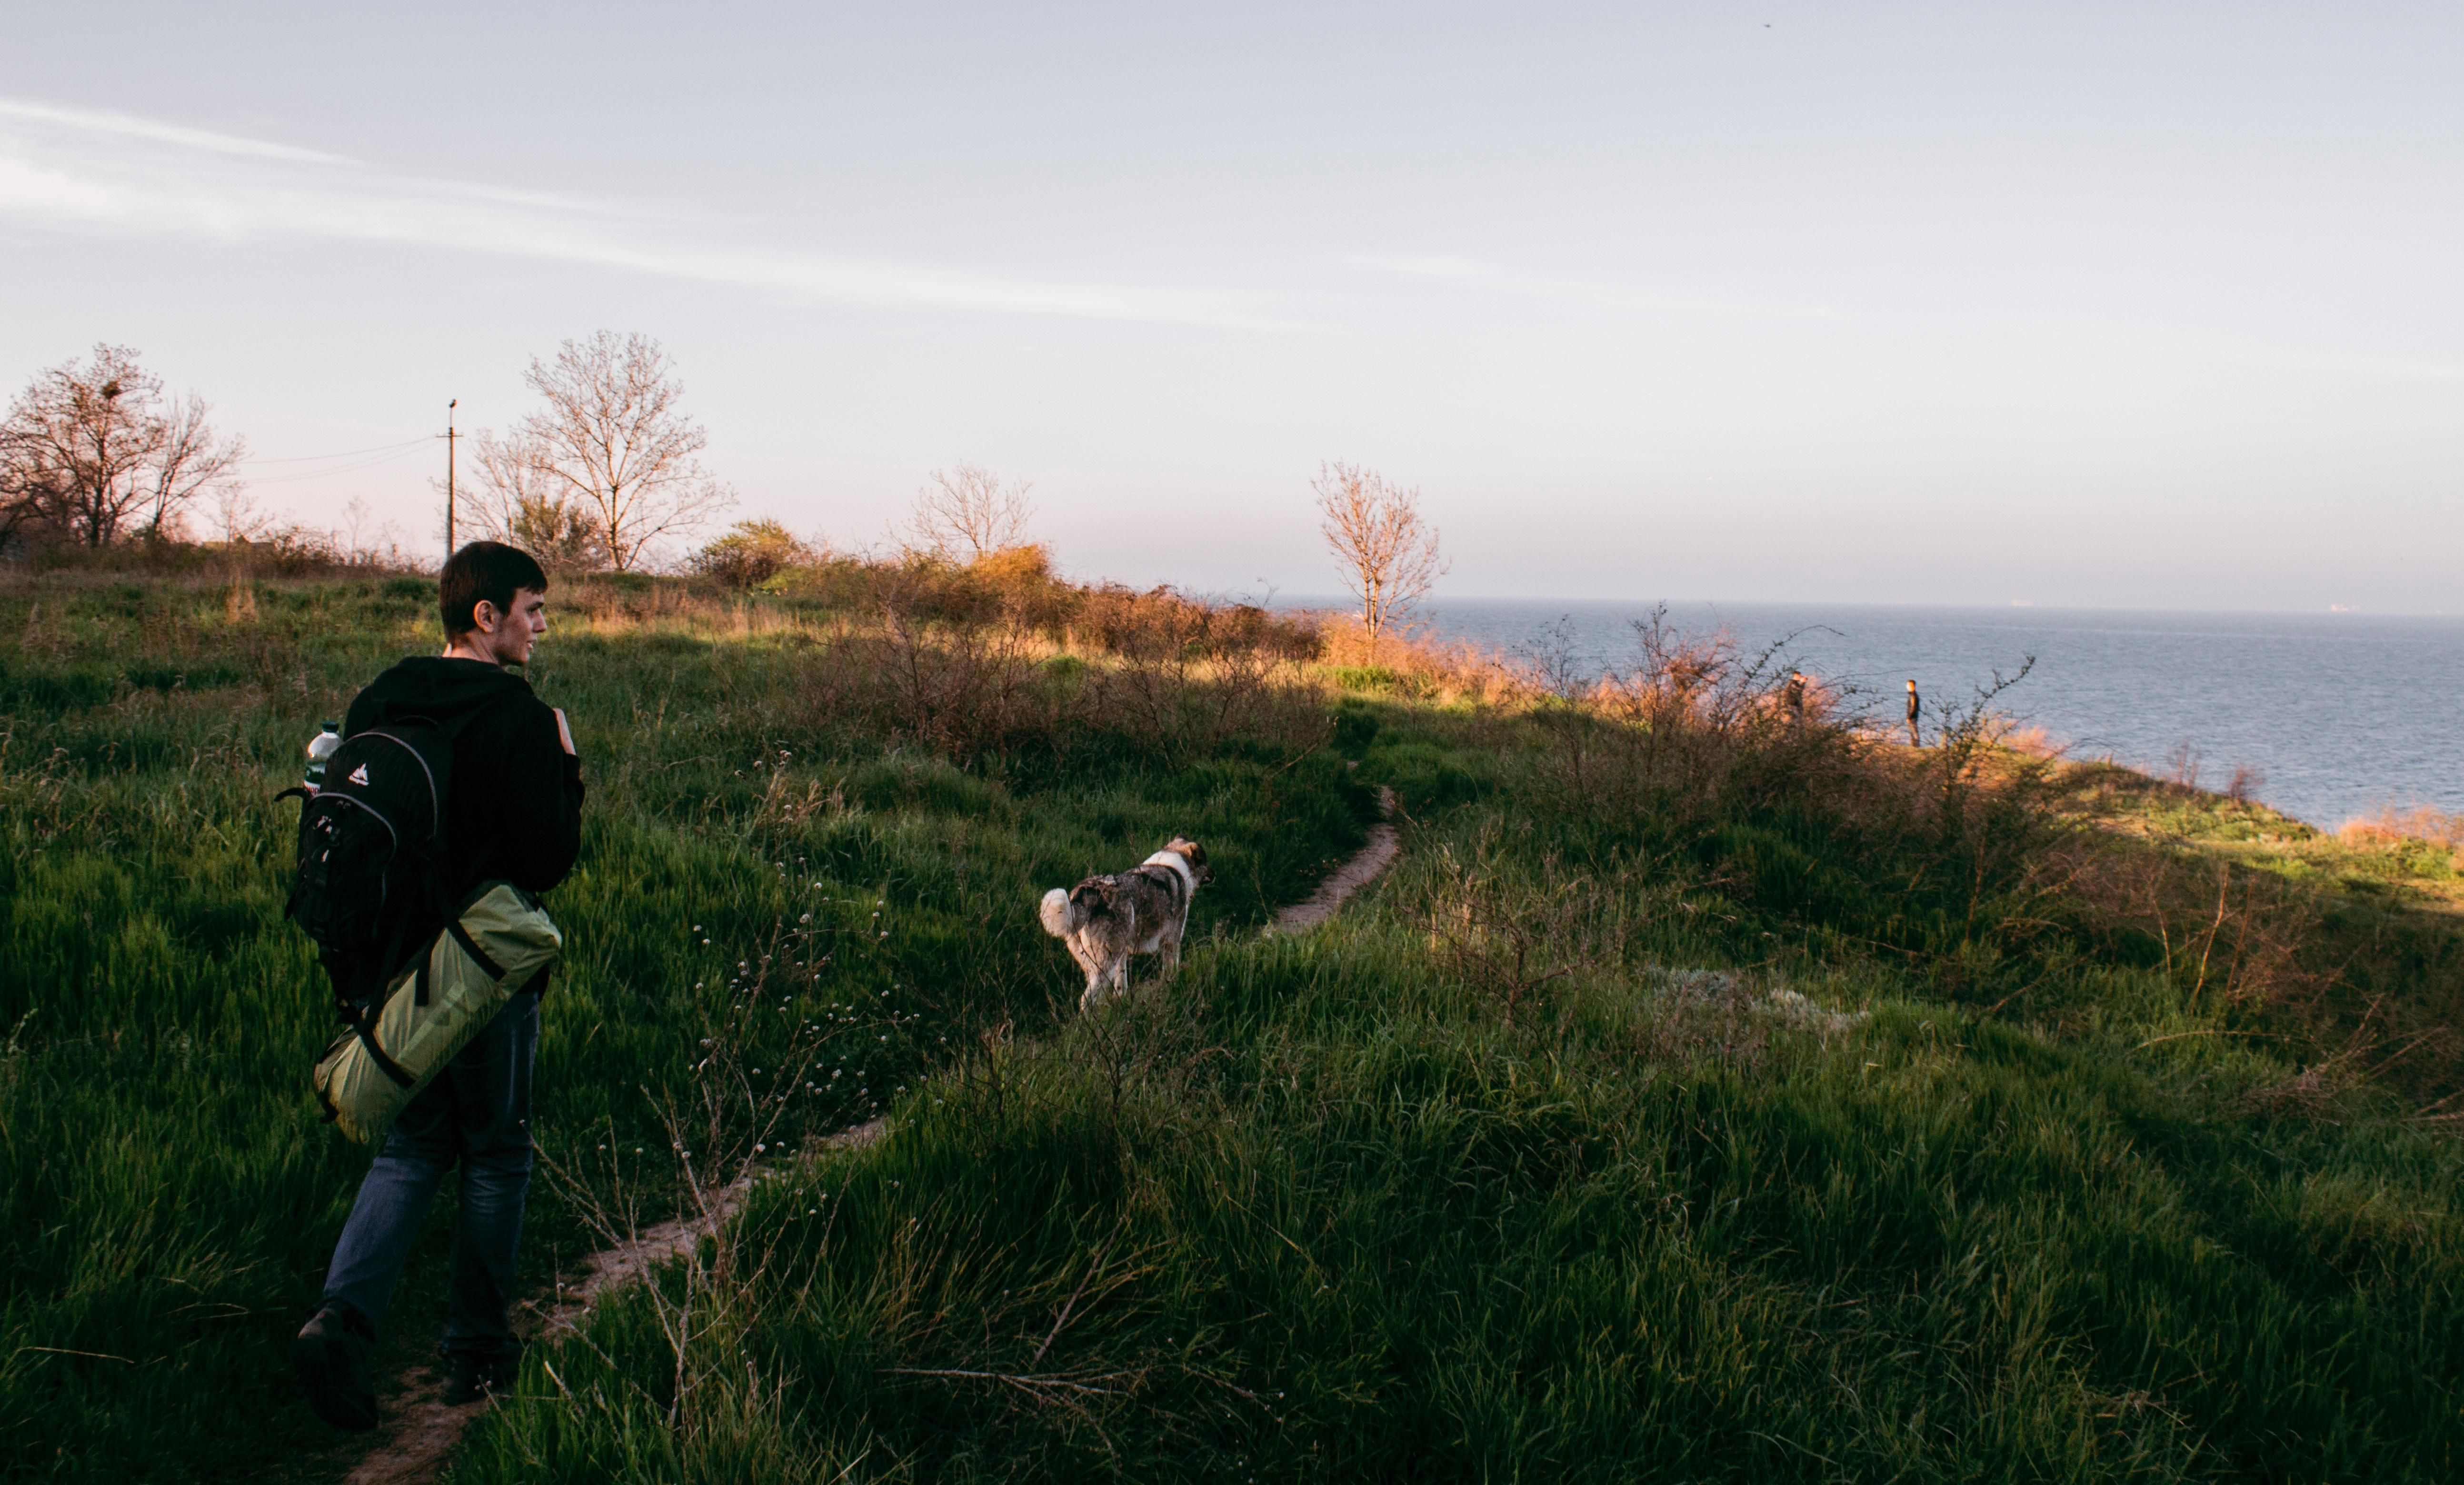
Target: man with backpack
511,813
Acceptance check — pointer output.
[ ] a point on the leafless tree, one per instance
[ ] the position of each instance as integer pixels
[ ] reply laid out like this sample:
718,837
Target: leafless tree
191,460
237,515
508,480
96,452
18,502
517,499
968,513
612,445
1387,553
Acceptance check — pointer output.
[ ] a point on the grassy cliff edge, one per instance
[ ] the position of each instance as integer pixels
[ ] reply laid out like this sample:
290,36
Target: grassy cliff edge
1709,1093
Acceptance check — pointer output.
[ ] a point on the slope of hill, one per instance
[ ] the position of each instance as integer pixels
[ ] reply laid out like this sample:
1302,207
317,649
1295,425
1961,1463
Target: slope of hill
1707,1092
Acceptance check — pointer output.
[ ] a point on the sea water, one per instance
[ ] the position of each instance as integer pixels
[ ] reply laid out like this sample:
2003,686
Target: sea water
2342,714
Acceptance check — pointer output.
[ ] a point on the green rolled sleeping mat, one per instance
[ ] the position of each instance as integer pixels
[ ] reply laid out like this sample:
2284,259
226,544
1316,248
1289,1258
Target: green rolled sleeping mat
431,1011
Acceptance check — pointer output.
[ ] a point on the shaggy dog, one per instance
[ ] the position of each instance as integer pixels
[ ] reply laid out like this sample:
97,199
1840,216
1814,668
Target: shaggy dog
1104,920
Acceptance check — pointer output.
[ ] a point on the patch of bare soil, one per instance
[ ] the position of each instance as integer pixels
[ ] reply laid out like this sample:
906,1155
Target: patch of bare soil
1364,867
420,1427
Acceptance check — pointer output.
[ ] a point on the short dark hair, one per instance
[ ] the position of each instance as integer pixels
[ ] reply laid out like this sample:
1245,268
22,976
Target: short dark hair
484,572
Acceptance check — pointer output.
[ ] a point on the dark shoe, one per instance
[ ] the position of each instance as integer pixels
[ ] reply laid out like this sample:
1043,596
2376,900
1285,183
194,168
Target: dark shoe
471,1375
332,1359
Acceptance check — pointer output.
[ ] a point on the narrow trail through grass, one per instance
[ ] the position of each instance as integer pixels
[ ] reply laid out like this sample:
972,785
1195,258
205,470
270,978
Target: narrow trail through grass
421,1429
1384,844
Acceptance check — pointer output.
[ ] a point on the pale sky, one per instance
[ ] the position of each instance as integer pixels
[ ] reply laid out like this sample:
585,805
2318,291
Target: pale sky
2139,305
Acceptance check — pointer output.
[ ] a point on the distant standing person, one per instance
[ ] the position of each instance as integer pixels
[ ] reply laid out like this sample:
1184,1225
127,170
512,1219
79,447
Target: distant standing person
1793,696
514,814
1914,741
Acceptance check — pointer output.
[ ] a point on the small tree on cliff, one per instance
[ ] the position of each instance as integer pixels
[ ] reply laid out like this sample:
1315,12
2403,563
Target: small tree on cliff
1387,553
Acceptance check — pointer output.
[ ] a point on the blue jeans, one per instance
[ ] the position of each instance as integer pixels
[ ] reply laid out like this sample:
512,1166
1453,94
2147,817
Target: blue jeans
477,1111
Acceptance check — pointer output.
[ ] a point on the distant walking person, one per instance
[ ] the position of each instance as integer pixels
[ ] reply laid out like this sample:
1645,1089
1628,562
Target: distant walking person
512,813
1914,741
1793,696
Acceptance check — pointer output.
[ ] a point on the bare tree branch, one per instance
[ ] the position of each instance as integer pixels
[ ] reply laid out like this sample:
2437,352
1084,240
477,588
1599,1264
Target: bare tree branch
968,513
237,516
1387,554
517,499
613,442
191,459
86,449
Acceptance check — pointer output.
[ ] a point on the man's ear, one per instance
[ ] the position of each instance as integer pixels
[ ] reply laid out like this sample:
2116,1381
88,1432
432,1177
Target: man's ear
485,616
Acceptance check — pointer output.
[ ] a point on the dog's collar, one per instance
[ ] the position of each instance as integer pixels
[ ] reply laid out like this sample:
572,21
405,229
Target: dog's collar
1180,864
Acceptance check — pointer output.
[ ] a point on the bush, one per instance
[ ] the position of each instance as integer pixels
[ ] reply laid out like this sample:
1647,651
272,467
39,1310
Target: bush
751,554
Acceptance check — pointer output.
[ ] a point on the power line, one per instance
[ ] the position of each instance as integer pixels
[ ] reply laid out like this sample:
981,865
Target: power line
349,453
339,468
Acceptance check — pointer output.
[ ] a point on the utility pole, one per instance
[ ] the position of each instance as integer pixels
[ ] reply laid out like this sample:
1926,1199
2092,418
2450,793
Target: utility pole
450,404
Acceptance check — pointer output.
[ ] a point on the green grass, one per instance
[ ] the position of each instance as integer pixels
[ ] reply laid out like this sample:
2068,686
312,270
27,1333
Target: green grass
1330,1207
1750,1111
168,1196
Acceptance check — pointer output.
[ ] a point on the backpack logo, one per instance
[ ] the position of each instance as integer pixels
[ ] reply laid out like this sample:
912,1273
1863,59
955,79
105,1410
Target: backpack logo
360,774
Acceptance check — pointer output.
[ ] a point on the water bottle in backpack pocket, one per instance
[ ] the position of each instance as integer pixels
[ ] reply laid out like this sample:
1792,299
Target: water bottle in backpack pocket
371,843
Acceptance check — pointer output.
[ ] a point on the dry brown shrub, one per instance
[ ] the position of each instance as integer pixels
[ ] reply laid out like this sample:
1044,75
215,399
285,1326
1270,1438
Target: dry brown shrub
611,602
2370,1052
2034,742
1012,585
1695,726
2227,935
2357,992
1189,674
1418,662
2392,826
999,658
1115,619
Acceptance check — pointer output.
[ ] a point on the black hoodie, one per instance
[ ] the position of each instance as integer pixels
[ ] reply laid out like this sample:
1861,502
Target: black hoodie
515,810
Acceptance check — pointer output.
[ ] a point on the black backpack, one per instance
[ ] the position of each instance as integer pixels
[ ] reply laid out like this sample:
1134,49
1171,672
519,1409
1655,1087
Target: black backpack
369,889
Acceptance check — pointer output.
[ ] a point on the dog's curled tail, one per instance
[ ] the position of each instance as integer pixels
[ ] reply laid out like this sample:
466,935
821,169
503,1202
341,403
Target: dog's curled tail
1061,915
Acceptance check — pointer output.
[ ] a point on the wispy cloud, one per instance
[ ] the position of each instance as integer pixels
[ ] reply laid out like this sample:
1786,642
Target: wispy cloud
88,170
95,121
1473,273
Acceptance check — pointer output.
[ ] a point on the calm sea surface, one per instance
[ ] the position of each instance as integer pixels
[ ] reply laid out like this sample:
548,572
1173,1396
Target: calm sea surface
2341,712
